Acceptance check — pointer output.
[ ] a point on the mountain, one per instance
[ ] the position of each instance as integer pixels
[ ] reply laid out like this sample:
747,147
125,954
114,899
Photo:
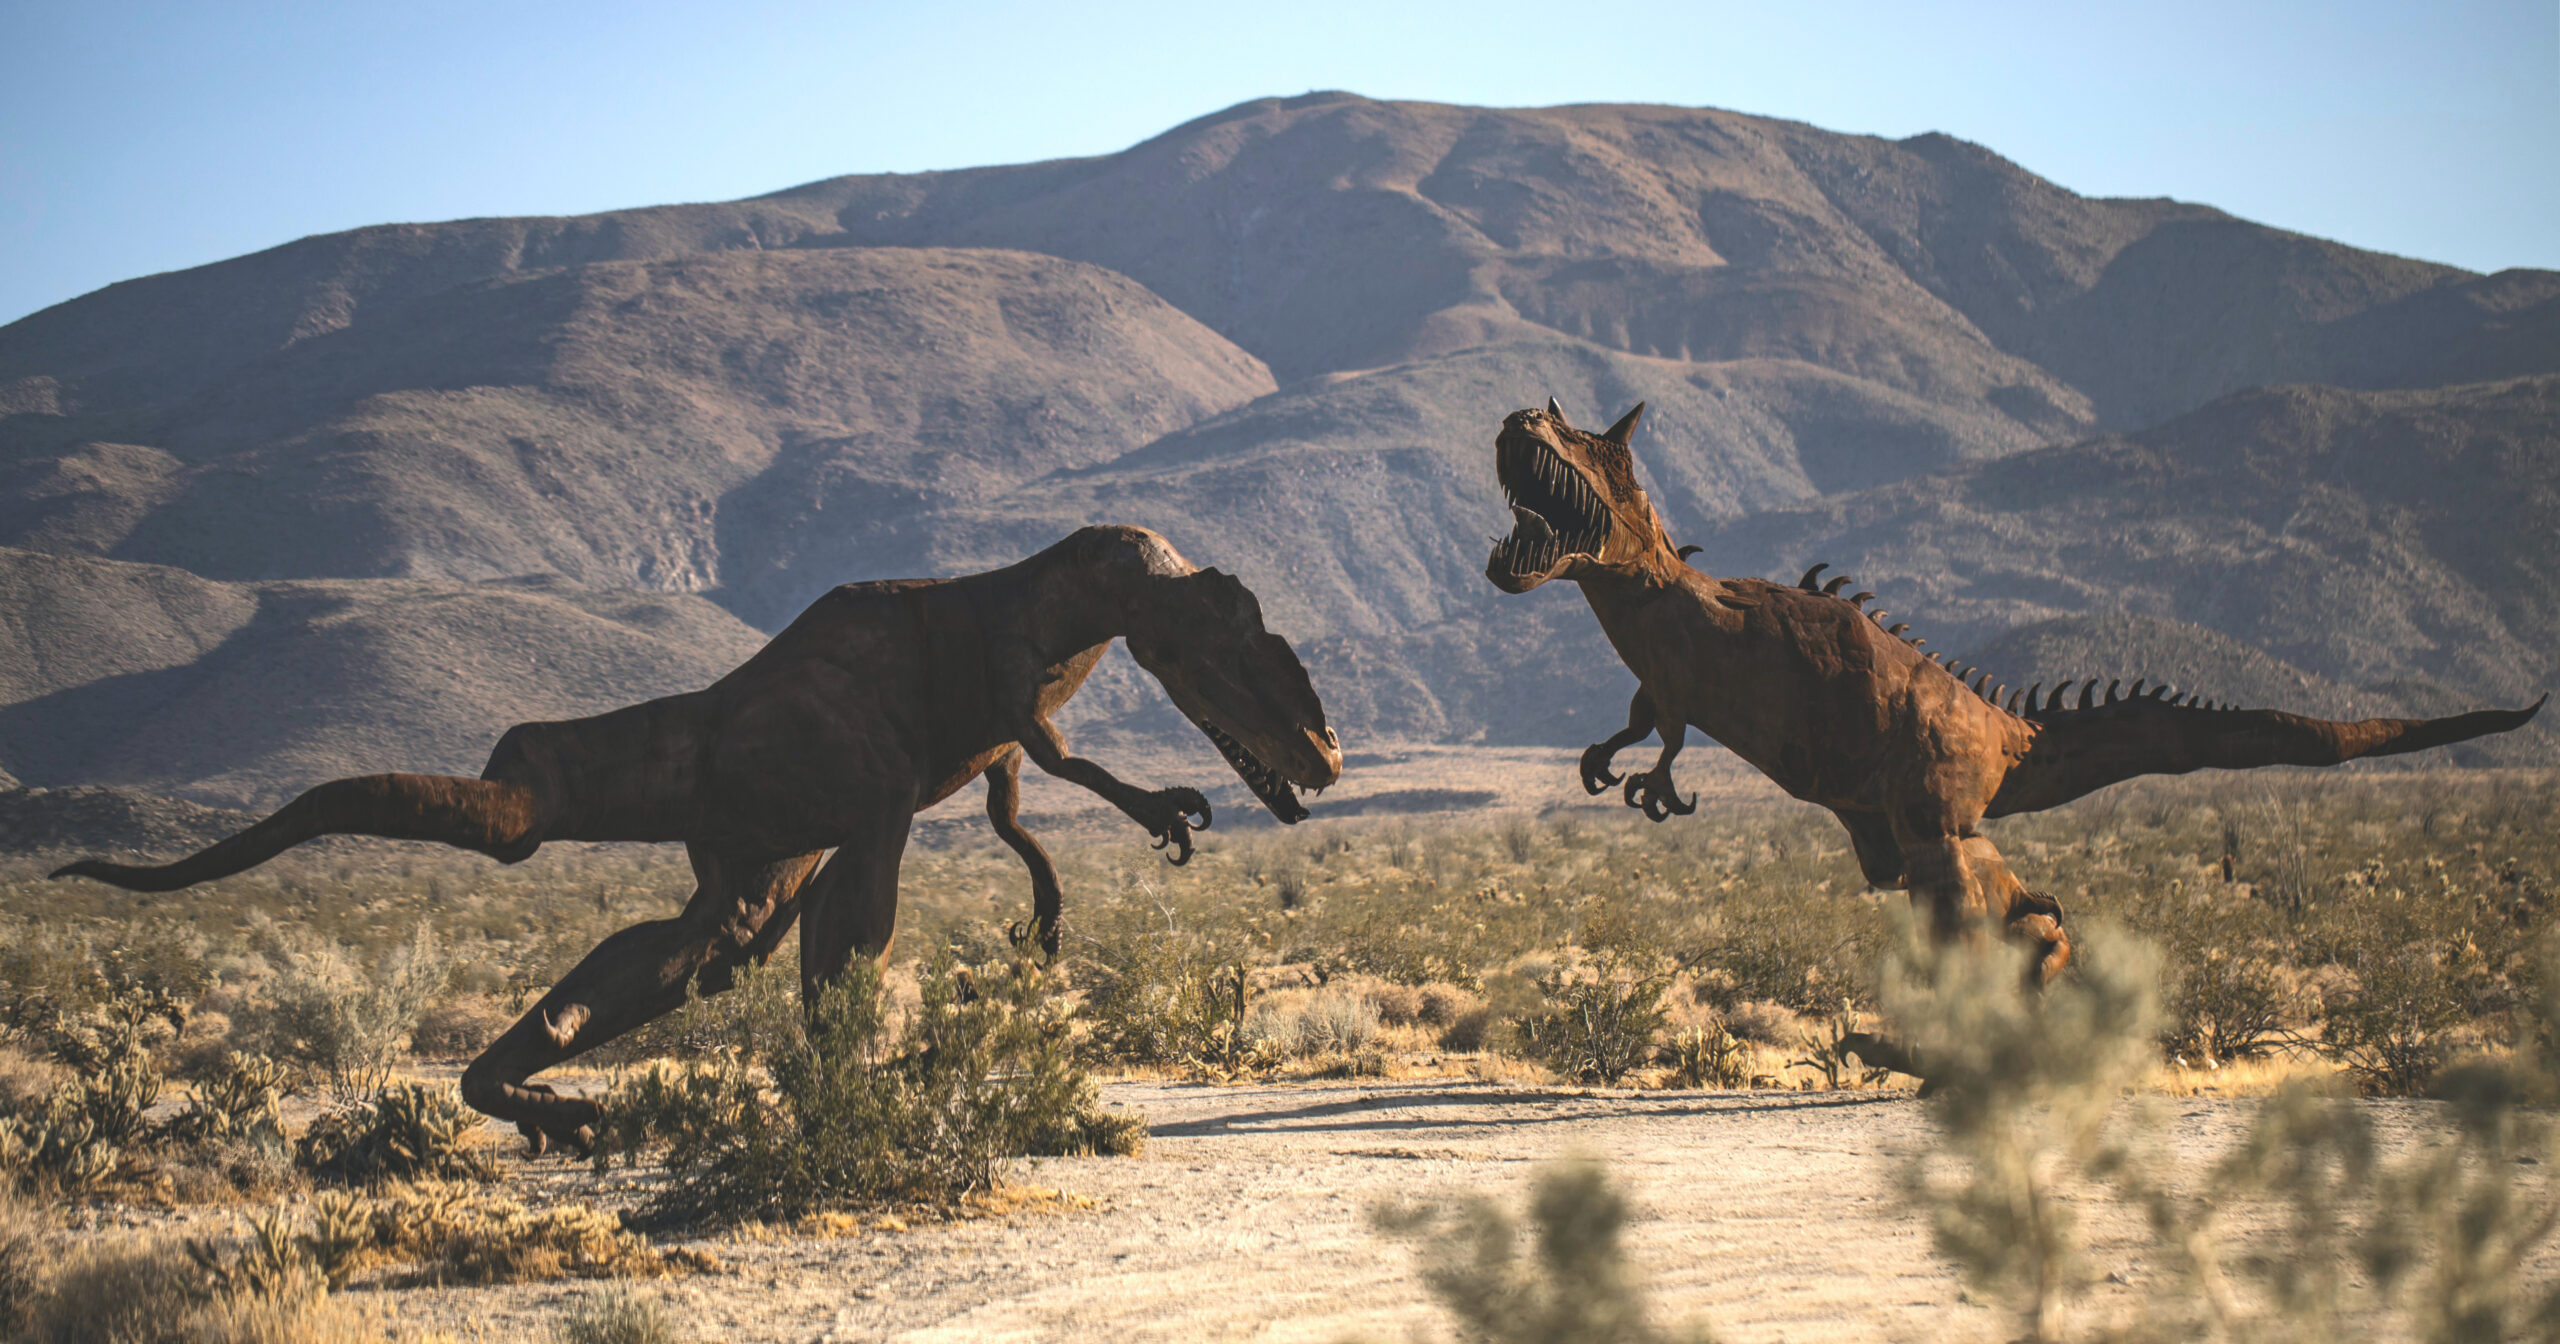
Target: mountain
2402,544
1282,334
151,678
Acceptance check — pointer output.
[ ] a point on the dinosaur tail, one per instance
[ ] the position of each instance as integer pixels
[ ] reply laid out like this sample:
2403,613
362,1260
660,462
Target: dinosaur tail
497,819
2084,747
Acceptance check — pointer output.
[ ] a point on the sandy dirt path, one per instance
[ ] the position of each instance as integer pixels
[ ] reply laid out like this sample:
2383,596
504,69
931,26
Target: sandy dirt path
1771,1216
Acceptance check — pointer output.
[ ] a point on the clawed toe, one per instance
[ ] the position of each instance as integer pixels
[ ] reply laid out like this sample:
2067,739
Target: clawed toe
1653,794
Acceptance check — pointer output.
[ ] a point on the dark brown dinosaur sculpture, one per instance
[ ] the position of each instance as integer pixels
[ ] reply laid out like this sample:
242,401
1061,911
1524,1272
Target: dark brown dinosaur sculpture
1842,710
881,700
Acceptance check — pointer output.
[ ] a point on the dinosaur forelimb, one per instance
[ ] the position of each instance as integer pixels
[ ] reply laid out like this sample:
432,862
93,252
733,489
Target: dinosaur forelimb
1170,815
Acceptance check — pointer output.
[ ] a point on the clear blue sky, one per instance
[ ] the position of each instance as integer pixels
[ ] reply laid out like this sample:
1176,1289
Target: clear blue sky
139,137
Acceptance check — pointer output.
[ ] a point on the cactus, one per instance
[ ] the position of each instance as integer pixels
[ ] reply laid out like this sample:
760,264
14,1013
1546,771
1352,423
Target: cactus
245,1099
405,1131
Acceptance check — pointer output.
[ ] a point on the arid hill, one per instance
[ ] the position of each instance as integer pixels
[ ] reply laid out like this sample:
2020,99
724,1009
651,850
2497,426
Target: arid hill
145,677
1282,334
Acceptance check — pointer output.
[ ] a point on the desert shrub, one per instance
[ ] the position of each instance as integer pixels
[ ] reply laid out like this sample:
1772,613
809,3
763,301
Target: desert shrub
620,1318
426,1232
405,1131
136,1292
24,1259
2439,1245
1330,1021
1833,1053
2223,1006
453,1232
1396,1005
849,1110
1599,1018
2024,1087
459,1027
1090,1131
1762,1021
1440,1004
1574,1286
1709,1056
344,1017
1158,989
69,970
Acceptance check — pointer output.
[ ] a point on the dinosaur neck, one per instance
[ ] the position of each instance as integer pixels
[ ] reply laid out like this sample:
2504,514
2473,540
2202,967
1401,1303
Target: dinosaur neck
1086,588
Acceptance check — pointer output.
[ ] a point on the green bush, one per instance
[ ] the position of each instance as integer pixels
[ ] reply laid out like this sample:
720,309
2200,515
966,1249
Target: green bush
344,1017
2024,1087
849,1110
1575,1286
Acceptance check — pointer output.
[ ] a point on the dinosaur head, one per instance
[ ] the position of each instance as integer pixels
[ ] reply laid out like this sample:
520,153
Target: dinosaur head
1201,635
1575,504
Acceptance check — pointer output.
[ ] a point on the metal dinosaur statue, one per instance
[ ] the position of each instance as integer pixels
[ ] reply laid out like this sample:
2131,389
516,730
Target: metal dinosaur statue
1843,710
879,701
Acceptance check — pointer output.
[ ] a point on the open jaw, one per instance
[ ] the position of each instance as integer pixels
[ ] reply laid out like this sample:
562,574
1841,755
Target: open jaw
1268,784
1556,514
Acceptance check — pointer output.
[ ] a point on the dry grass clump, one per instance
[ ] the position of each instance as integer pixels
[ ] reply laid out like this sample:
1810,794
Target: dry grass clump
158,1292
25,1257
1573,1287
620,1318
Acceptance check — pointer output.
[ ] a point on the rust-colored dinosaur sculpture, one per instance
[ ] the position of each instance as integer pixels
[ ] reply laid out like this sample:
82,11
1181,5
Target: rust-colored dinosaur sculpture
1841,710
881,700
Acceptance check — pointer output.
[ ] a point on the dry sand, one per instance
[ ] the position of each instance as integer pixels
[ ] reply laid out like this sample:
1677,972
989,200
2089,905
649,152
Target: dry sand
1770,1216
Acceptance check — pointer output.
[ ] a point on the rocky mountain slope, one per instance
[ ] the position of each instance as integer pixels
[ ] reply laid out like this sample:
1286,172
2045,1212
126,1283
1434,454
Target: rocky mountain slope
1282,334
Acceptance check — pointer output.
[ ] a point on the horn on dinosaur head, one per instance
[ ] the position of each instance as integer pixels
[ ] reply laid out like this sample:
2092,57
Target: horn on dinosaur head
1556,411
1625,429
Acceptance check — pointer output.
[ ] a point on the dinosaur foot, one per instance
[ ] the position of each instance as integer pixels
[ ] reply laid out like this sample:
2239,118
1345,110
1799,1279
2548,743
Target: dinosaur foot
1596,775
567,1123
1653,794
1171,815
1019,933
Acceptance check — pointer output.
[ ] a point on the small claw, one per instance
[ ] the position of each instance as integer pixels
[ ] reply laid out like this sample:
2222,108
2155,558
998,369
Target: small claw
1182,850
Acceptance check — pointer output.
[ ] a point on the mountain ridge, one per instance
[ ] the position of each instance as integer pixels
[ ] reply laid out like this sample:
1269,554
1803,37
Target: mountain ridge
1282,334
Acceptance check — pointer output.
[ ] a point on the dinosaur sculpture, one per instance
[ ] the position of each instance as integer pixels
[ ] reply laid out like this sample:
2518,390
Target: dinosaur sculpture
880,700
1842,710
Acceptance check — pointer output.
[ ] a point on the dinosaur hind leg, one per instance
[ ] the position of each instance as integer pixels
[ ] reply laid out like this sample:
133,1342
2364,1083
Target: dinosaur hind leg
1004,812
740,910
852,906
1967,888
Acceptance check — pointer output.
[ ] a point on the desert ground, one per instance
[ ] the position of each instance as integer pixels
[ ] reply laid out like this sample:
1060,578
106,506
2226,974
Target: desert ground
1768,1216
